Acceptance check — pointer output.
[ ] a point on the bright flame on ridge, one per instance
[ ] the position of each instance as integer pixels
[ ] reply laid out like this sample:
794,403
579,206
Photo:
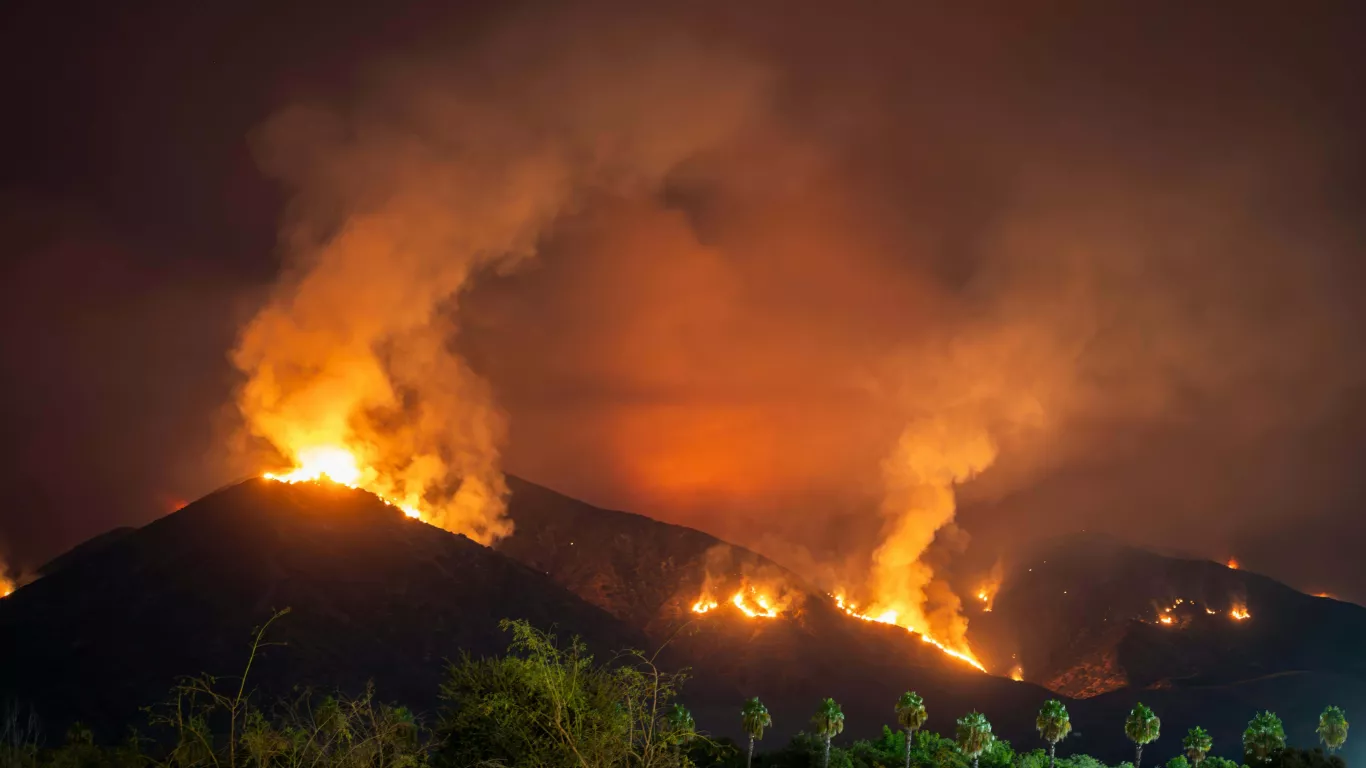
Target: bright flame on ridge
889,617
1239,612
748,599
338,465
1232,563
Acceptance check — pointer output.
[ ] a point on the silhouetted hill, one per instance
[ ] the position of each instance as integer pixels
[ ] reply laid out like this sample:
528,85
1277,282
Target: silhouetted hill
650,573
1091,617
84,549
373,595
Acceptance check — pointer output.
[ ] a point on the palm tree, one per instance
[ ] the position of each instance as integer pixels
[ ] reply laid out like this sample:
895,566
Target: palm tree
755,718
829,722
1332,729
1197,744
1264,737
1142,727
910,715
681,723
974,735
1053,725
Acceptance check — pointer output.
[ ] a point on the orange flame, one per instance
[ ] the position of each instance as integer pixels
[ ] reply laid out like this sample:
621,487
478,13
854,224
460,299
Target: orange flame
890,617
1232,563
1017,673
1239,612
755,602
338,465
6,587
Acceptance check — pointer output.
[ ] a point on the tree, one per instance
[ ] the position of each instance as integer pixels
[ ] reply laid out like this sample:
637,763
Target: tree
910,715
974,736
829,722
548,706
755,718
681,723
1142,727
1179,761
1332,729
1197,744
1264,737
1053,725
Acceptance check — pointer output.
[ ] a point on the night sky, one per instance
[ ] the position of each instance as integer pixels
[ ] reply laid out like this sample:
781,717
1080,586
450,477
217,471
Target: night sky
1125,242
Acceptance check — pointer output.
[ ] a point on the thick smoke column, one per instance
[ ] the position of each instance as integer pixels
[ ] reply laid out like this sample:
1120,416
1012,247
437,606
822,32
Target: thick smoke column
447,169
931,458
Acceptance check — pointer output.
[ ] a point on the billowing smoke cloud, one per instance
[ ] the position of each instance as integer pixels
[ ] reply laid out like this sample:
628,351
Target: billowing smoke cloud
442,171
931,459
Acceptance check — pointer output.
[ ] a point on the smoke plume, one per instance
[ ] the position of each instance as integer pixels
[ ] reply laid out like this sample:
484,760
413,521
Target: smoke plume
443,171
931,458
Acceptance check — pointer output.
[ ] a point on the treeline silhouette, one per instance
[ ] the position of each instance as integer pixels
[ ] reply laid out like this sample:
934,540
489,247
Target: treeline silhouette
547,705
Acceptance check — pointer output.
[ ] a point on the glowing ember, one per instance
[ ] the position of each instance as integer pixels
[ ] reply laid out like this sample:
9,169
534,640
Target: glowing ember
1166,619
1232,563
754,602
1325,594
338,465
1210,611
704,605
1017,673
889,617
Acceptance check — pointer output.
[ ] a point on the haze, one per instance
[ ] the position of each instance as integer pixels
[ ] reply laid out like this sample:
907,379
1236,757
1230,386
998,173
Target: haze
1104,264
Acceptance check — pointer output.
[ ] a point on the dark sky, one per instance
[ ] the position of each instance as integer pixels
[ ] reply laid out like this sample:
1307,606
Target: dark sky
1124,241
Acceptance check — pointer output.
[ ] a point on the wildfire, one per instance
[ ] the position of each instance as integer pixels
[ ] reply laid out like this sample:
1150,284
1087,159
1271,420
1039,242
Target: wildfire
1166,618
1239,612
6,587
1232,563
338,465
754,602
890,617
1017,673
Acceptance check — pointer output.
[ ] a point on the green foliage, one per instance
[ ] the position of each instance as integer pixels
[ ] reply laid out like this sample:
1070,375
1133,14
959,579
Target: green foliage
973,735
1332,728
1142,726
755,718
1220,762
1053,724
543,706
1306,758
1264,738
829,720
1080,761
1197,745
1179,761
910,711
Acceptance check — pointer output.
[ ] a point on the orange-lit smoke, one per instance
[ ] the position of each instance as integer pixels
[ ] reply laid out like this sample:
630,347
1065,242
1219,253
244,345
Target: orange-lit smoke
986,594
931,458
446,171
756,590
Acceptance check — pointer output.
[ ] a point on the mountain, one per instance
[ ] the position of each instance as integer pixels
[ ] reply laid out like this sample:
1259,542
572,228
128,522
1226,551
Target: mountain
376,596
373,595
649,574
1202,643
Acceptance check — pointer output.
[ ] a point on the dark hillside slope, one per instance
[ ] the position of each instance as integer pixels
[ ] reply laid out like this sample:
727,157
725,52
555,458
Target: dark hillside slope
1090,617
650,573
373,595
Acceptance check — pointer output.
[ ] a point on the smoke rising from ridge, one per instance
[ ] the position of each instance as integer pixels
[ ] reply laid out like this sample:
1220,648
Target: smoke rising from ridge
446,170
1122,246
